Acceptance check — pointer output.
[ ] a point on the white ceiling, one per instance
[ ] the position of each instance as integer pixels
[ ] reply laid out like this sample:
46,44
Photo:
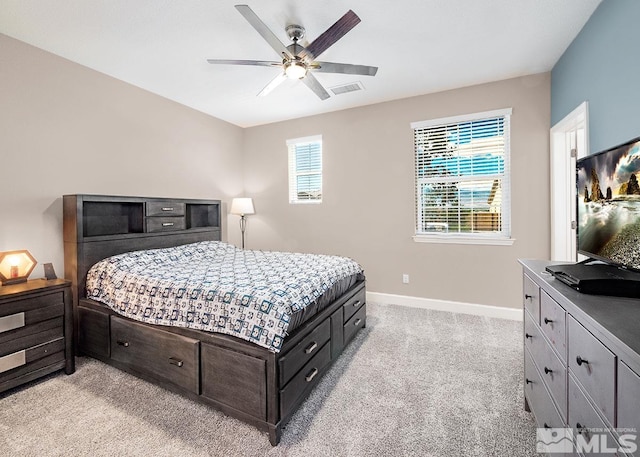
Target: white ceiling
420,46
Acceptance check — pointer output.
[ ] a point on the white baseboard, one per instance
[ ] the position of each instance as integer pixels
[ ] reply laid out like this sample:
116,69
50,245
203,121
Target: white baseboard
514,314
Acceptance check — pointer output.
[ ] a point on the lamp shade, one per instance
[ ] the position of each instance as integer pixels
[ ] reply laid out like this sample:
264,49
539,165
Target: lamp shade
16,266
242,206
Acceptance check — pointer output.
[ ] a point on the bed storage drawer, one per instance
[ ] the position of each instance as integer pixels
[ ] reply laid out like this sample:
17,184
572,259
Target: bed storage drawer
354,304
293,360
357,321
301,384
165,224
236,380
165,208
161,354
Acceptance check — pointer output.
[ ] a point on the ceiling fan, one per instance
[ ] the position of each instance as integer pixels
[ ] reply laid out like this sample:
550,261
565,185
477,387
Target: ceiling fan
298,62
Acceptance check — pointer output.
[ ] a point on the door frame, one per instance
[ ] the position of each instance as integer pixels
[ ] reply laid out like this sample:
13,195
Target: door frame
571,133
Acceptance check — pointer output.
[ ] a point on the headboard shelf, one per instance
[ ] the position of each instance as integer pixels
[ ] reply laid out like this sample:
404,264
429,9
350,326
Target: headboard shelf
99,226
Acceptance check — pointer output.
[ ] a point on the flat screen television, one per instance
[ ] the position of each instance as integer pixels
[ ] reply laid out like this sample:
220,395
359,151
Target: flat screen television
608,206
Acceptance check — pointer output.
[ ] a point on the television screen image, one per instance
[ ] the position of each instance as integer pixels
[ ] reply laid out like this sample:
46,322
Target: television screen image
608,205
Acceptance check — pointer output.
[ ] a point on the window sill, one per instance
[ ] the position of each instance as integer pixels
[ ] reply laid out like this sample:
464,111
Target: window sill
453,239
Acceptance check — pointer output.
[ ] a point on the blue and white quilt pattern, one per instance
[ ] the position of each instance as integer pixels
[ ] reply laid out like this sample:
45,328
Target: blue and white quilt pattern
216,287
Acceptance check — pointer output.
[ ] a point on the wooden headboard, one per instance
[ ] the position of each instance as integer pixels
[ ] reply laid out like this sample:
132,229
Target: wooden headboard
99,226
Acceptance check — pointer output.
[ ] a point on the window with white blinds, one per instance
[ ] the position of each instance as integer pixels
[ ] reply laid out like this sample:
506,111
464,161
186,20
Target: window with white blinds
462,178
305,169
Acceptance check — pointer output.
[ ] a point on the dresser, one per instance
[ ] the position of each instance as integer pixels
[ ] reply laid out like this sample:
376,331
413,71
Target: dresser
581,363
36,327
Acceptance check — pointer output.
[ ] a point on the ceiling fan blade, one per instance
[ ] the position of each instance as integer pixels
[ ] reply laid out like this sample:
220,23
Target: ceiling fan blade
261,63
313,84
275,82
263,30
331,35
332,67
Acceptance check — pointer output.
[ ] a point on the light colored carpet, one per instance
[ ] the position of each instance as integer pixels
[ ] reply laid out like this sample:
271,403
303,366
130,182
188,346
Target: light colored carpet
414,382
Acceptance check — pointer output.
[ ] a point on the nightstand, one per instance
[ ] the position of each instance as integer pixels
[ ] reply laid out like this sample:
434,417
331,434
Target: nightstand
36,331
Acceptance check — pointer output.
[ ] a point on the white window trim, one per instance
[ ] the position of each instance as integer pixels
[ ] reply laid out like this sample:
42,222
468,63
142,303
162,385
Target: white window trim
455,238
292,176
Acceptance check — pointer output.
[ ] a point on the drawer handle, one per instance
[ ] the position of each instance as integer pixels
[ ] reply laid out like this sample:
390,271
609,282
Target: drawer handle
528,297
176,362
312,374
545,425
547,321
528,381
547,370
580,361
167,208
526,335
582,430
123,343
357,322
167,224
356,303
311,348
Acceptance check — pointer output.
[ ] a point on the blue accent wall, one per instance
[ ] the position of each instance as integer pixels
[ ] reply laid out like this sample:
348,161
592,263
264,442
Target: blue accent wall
602,66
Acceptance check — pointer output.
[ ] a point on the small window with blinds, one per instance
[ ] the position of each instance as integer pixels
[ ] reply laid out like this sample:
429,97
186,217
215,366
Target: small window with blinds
462,179
305,169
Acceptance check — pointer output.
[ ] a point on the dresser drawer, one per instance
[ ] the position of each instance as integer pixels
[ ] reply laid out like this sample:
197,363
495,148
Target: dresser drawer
293,360
354,304
539,400
165,224
594,366
531,298
357,321
628,400
165,208
302,383
162,354
586,423
553,322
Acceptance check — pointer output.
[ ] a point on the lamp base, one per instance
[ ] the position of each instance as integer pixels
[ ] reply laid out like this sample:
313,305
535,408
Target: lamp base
13,281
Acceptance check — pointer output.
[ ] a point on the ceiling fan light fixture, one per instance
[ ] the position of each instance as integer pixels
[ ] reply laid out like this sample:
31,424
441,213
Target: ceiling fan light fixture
295,70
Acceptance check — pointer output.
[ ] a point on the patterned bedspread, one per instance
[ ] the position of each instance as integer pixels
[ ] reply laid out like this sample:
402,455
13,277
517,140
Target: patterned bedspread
217,287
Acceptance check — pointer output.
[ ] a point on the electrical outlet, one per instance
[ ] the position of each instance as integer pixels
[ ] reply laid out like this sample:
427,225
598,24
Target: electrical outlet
405,278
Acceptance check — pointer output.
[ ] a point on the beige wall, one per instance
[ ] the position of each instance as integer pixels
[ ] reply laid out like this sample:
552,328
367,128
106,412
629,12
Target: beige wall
368,204
66,129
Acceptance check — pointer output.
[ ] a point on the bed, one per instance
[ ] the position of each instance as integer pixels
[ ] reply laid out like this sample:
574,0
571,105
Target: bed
153,297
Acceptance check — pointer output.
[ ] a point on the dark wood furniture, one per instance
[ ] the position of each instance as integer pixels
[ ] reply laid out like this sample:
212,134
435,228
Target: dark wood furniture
581,359
35,331
239,378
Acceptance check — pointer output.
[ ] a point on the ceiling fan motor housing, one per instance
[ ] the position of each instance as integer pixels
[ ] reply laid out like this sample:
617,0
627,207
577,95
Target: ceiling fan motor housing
295,32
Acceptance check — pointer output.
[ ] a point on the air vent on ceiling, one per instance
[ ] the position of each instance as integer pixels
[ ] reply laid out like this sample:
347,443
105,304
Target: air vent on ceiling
346,88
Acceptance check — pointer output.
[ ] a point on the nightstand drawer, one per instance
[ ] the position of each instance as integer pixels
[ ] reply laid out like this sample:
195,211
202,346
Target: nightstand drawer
165,224
354,304
165,208
33,335
34,304
165,355
594,366
303,352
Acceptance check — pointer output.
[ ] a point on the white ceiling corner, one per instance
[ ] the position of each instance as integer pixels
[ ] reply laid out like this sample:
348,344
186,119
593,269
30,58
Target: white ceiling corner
420,46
